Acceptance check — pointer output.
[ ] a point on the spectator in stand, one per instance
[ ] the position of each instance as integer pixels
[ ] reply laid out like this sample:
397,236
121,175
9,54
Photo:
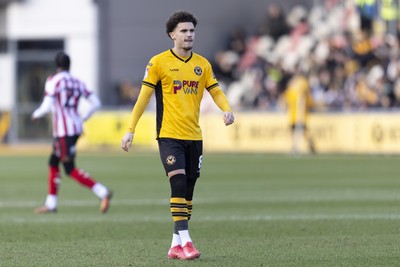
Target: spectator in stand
127,92
226,61
335,46
362,48
224,67
237,40
275,24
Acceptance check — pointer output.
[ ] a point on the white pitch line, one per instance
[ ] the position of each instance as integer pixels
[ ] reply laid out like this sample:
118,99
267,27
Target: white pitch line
165,201
85,203
54,219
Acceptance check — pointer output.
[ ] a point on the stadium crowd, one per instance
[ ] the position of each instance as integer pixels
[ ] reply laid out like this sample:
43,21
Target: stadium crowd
350,59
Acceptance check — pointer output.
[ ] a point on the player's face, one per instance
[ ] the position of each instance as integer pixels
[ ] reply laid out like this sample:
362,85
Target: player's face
183,36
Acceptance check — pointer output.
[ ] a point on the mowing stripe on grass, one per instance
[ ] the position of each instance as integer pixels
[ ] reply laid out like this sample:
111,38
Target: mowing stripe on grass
55,219
271,199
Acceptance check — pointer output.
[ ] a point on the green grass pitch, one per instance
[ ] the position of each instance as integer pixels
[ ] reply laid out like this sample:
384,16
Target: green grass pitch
249,210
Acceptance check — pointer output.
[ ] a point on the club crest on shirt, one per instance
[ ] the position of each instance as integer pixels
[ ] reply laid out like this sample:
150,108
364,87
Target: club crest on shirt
170,160
198,70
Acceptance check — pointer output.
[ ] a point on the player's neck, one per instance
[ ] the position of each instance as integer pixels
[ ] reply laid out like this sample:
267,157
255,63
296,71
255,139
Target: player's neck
61,70
182,52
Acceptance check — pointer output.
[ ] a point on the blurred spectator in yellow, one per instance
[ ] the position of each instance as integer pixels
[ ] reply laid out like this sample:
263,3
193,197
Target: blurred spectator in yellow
362,48
367,96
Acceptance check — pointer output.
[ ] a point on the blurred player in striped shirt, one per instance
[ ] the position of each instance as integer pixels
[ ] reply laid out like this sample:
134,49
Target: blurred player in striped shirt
62,95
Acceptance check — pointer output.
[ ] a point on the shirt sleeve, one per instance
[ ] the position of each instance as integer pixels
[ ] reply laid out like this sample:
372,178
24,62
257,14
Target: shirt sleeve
50,86
140,106
85,91
220,99
44,108
150,79
95,104
152,74
211,80
215,91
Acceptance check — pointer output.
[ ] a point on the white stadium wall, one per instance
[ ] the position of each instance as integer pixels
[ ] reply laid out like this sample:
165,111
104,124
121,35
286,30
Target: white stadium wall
31,33
74,21
7,83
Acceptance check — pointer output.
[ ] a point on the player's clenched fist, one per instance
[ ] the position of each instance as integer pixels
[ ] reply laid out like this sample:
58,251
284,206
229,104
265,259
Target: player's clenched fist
126,141
228,118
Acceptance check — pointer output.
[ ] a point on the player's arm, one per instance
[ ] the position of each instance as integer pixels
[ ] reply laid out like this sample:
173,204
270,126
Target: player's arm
222,102
137,112
43,109
45,106
95,104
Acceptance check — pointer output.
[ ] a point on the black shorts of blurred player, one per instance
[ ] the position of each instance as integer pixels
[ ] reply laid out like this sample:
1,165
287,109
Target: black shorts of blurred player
65,147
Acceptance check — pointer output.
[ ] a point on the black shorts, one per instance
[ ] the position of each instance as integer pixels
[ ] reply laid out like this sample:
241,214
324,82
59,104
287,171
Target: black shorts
181,154
65,147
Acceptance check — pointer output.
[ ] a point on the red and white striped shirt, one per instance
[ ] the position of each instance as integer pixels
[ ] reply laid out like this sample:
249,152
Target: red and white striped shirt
62,93
66,92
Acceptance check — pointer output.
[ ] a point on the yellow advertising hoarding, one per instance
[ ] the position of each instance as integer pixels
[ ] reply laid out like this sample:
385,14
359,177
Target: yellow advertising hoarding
106,128
262,132
5,123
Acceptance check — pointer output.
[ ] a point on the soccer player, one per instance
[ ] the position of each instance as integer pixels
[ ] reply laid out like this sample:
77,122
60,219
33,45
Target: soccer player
299,102
179,78
62,95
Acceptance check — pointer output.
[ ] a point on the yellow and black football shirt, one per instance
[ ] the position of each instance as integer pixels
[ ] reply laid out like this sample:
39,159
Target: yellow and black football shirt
298,99
179,84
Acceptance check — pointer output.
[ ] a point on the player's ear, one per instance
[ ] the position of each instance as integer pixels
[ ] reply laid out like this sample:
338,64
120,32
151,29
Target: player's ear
172,35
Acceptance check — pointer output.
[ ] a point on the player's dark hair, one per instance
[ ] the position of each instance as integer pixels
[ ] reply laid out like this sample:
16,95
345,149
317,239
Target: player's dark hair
62,61
179,17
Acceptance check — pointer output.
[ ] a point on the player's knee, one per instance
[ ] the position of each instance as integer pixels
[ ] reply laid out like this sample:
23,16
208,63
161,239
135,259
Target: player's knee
54,160
68,166
178,185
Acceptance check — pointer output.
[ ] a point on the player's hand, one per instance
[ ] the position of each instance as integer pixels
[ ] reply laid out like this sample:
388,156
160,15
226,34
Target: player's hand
228,118
126,141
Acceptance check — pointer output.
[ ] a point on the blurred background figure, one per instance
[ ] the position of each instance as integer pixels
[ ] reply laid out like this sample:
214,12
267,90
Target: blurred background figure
274,24
298,101
128,92
62,95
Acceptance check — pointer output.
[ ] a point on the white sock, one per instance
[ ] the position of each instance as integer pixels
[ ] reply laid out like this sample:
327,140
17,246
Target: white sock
185,237
51,202
176,240
100,190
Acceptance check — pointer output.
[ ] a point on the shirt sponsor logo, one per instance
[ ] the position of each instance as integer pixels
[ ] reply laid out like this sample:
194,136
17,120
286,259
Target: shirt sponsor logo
188,87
